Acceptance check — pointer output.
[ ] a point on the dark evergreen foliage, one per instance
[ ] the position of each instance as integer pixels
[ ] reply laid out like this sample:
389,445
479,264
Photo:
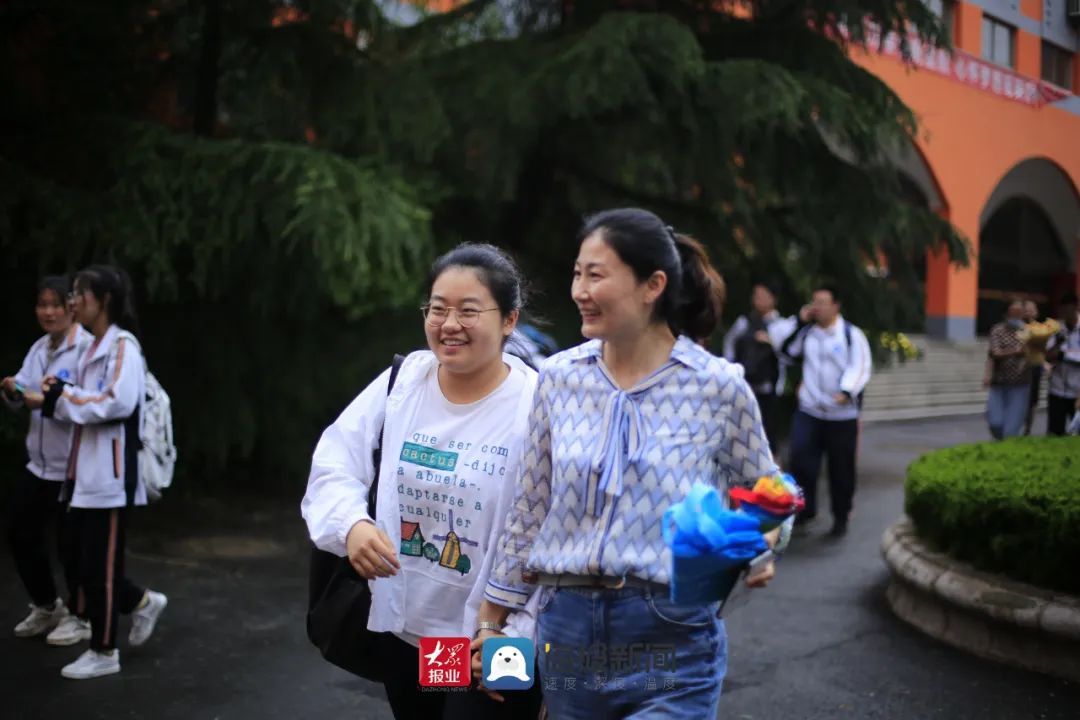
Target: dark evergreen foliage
276,176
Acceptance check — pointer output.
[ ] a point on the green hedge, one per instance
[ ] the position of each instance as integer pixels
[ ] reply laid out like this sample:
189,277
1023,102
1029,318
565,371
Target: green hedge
1010,507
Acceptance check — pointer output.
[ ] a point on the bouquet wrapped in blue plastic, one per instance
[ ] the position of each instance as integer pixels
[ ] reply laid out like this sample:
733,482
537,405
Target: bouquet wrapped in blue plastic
710,545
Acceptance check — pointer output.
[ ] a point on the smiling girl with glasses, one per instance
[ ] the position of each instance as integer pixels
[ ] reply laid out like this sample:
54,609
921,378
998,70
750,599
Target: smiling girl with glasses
452,430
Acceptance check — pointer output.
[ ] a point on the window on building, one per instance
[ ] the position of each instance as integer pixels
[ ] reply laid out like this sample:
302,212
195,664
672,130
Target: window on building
997,42
1057,65
946,10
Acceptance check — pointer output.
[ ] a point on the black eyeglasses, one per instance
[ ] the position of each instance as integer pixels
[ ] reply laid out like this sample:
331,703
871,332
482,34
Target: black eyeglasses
437,315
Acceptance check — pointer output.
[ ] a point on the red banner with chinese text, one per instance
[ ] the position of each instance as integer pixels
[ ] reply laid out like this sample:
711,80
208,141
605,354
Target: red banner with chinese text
963,67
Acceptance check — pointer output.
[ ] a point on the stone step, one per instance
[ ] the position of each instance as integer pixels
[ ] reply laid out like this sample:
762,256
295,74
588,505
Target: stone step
935,361
943,351
925,399
928,399
880,397
953,365
945,381
929,380
922,395
873,415
946,346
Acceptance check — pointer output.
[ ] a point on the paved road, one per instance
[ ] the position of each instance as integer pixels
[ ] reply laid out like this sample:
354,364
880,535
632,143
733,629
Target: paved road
819,643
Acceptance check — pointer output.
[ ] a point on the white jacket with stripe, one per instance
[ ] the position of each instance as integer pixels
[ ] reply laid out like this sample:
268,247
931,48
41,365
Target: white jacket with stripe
342,471
102,403
835,360
48,443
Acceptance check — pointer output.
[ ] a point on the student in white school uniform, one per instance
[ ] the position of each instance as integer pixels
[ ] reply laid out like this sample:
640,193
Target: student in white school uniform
454,425
836,367
102,401
36,499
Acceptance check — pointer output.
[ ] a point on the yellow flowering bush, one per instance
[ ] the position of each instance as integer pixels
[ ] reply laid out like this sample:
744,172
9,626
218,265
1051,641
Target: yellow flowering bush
900,345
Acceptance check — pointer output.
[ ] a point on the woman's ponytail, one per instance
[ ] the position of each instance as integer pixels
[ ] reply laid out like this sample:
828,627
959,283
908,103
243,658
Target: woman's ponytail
703,290
126,317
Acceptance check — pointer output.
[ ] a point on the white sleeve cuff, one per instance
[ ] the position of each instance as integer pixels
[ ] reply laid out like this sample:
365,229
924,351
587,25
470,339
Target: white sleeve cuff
348,520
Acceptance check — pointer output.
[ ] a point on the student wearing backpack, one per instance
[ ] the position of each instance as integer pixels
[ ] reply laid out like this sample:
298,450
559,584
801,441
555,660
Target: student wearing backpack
102,401
452,427
752,342
36,500
836,366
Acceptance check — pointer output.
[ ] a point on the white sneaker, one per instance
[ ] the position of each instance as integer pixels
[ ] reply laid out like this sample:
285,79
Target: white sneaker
41,620
71,630
144,619
92,664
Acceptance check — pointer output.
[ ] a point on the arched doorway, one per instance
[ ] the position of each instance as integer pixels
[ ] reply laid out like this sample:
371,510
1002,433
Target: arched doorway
1028,238
1020,255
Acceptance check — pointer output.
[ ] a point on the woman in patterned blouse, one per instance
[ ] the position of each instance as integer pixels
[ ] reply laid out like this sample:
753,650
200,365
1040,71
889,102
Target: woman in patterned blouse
622,427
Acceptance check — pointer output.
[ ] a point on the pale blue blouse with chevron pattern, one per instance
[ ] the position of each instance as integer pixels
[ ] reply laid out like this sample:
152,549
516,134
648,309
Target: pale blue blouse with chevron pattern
601,465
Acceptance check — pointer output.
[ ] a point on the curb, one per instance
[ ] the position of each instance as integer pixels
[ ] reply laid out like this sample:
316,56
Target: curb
984,614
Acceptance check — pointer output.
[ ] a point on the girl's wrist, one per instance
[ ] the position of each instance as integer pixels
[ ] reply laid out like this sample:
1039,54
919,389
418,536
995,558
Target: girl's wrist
488,626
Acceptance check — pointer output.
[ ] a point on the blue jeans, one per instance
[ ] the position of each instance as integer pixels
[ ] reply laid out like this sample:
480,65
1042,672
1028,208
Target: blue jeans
629,653
1006,409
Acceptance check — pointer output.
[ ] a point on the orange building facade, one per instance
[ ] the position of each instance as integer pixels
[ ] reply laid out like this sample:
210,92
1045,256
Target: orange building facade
998,155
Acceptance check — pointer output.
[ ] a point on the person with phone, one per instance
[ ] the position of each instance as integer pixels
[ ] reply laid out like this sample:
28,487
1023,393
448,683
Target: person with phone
836,367
622,427
102,400
36,498
452,429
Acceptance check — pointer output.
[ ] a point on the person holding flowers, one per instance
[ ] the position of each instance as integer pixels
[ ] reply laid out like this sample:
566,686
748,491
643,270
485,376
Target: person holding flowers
1038,335
622,428
836,368
1063,352
1009,374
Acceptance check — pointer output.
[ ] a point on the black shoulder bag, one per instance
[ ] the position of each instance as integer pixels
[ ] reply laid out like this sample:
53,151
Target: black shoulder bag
339,600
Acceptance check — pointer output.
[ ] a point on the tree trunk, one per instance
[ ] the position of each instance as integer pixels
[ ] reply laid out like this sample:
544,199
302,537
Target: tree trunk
205,115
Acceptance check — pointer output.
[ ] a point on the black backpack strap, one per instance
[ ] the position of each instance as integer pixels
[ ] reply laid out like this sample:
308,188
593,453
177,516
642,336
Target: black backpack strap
395,368
801,328
376,454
